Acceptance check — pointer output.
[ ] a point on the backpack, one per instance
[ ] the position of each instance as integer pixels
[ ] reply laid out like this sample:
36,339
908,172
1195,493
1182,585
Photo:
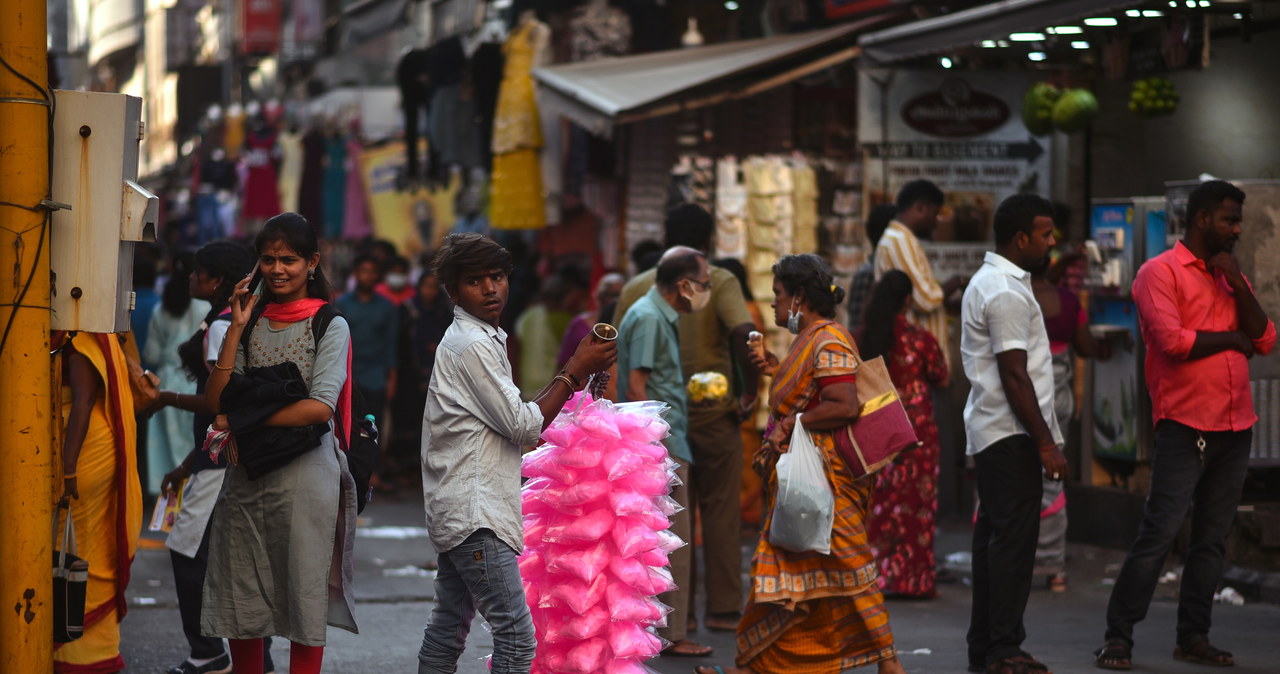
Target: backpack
362,455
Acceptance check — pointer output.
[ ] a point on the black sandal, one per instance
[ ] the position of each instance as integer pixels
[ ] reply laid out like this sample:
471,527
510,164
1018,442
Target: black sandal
1116,654
1018,664
1203,653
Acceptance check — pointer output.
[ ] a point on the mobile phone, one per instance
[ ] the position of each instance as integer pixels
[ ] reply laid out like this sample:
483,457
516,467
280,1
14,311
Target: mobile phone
255,286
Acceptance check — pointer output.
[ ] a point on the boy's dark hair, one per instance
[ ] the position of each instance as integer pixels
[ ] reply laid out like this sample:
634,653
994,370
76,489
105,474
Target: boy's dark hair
1017,213
1208,196
367,257
676,267
810,277
460,253
294,231
917,191
689,225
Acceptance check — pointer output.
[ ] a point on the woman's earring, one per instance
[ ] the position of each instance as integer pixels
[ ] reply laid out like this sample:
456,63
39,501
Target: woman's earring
311,274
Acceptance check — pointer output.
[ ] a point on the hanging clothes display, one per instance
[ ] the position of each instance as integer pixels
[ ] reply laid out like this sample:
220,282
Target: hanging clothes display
311,187
411,78
599,30
356,223
289,182
804,207
262,185
335,185
486,78
731,211
518,198
233,131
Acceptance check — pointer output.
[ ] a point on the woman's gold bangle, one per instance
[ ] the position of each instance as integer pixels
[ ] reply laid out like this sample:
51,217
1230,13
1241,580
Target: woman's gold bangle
69,477
218,366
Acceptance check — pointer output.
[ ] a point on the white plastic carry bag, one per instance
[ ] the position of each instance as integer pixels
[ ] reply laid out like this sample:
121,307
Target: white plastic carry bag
805,507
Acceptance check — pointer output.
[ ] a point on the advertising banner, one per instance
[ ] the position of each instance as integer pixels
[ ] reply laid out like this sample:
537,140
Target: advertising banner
413,220
961,131
259,26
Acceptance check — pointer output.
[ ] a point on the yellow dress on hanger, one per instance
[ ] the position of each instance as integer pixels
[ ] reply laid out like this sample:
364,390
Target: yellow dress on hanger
517,198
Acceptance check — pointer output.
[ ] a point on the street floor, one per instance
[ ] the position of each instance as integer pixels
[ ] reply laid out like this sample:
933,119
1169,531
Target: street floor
394,594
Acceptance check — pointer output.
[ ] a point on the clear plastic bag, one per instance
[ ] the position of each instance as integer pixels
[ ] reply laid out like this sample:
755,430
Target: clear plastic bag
804,509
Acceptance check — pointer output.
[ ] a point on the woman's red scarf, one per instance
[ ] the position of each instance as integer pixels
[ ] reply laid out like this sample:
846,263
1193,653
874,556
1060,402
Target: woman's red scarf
297,310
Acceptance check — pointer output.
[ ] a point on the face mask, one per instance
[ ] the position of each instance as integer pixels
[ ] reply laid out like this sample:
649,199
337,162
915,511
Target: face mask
793,319
699,299
397,281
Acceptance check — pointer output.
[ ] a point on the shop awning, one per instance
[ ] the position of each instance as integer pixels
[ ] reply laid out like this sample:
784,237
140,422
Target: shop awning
603,94
962,29
368,19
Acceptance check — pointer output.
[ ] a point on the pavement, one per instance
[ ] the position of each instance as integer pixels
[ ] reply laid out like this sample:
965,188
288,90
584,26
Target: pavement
393,587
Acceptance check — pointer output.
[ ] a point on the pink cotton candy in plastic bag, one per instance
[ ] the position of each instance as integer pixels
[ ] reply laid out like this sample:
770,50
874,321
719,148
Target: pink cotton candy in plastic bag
545,462
626,604
583,493
655,557
649,480
599,422
572,594
630,572
560,432
585,565
631,537
587,657
625,667
622,461
590,527
660,581
627,502
669,542
628,640
594,622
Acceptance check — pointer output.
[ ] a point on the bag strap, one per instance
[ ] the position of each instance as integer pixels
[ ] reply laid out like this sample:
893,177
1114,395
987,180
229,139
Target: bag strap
319,323
68,536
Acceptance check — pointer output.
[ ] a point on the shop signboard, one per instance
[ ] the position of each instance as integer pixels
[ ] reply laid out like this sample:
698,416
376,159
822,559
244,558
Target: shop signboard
961,131
259,26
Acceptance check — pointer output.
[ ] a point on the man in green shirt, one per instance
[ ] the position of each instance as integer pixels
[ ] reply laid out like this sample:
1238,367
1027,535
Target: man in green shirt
712,339
649,369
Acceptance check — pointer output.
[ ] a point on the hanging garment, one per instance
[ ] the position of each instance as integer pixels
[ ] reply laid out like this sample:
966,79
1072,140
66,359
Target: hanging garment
518,199
262,185
335,185
411,78
289,180
311,188
356,223
486,78
599,31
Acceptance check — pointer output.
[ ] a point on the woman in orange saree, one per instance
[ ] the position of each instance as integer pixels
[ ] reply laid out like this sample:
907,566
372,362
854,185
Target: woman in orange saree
101,486
809,612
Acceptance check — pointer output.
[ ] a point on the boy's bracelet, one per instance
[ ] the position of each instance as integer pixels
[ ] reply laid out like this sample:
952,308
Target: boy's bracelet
566,381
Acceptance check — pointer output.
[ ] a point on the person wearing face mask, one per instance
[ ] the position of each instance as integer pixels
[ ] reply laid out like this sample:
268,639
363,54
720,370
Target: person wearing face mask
713,338
808,611
649,369
395,285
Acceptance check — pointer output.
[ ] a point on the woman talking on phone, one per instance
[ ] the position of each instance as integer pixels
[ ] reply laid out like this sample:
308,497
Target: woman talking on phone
280,549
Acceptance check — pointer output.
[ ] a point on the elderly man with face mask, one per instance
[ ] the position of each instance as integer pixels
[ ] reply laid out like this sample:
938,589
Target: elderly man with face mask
649,368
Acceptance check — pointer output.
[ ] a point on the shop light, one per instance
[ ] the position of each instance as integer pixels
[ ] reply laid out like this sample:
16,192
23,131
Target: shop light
1191,4
731,5
1173,4
1079,44
945,62
1002,44
1066,30
1037,56
1204,3
1103,21
1133,13
988,44
1152,13
1026,37
1237,16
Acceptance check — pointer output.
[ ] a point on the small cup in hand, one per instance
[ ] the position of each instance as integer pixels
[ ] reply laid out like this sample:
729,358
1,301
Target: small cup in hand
756,341
603,332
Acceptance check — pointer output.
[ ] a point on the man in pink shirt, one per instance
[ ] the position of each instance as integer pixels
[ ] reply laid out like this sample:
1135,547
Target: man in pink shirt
1200,323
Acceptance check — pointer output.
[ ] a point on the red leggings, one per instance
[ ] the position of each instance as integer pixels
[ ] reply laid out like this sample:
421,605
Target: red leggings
246,656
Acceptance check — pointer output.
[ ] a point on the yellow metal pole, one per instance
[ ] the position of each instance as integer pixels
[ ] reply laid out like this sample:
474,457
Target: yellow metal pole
26,407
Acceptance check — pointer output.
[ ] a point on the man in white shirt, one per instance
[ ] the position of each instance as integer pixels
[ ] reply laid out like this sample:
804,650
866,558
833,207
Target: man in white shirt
1013,434
473,430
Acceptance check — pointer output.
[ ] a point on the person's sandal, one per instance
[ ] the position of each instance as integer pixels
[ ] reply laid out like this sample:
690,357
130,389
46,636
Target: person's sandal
1203,653
1115,654
1058,582
1018,664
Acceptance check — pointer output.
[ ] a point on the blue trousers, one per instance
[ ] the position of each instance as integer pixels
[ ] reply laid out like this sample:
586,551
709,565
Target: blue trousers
479,574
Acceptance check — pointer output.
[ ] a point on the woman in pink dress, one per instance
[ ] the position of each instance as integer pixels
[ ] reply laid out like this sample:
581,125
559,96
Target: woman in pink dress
905,504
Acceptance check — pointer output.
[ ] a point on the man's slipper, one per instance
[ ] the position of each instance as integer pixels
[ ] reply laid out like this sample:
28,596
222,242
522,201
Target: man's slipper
687,649
1115,654
1201,653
